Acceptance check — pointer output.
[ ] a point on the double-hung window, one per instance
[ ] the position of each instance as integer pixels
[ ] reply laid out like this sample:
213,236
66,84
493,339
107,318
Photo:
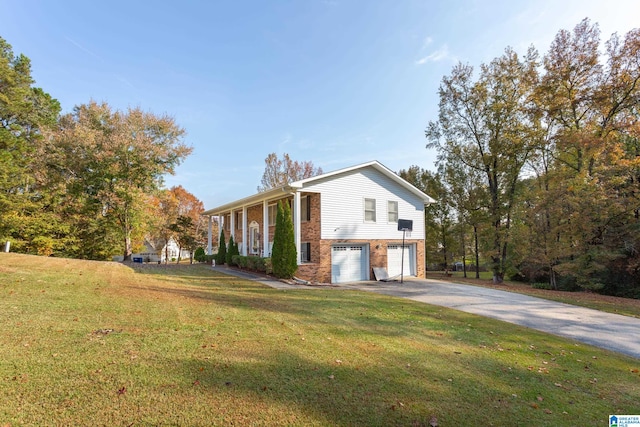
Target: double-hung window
305,208
370,210
392,211
273,212
239,221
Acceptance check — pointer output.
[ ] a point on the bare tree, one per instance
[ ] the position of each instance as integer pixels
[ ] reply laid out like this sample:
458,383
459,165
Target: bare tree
279,172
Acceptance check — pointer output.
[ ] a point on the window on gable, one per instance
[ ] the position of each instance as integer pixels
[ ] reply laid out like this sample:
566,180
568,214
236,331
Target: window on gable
370,210
305,208
392,211
273,212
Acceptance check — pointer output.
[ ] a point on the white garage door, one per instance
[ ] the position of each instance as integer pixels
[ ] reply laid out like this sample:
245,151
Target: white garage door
349,263
395,260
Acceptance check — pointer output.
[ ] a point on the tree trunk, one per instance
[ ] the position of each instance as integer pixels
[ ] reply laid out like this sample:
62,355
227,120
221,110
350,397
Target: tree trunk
127,246
464,257
475,237
444,249
553,280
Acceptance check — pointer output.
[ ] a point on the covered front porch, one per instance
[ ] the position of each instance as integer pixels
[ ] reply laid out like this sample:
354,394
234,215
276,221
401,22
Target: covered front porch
251,221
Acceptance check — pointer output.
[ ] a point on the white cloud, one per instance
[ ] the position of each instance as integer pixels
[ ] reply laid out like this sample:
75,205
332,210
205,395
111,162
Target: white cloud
79,46
436,56
427,41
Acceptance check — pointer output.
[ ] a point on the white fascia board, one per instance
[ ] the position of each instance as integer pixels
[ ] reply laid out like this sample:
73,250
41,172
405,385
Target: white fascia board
273,194
379,167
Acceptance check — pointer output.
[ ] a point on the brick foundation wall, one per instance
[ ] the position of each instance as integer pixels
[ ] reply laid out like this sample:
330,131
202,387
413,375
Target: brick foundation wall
321,271
310,230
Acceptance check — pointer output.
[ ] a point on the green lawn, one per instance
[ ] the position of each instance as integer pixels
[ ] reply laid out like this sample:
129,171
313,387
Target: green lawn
90,343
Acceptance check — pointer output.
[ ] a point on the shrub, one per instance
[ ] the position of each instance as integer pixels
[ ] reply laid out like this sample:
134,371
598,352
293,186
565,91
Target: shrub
43,245
260,264
254,263
232,251
229,255
222,250
284,256
239,260
199,255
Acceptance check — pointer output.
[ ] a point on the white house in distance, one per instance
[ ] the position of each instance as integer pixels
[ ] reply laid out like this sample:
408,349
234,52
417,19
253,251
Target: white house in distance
168,253
345,223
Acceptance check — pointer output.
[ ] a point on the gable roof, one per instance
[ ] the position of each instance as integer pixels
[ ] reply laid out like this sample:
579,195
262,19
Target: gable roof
278,192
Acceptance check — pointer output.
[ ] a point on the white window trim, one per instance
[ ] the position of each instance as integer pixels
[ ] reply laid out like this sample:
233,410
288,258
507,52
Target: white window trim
272,219
306,202
389,220
239,218
364,210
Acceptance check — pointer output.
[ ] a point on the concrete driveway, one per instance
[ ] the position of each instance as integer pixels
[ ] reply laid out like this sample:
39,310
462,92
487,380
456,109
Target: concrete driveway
610,331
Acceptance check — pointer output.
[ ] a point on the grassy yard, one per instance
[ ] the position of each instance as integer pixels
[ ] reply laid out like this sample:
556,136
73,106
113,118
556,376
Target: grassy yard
90,343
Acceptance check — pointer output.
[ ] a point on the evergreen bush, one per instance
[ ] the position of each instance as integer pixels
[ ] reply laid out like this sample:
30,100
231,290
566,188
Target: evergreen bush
222,250
199,255
284,257
229,255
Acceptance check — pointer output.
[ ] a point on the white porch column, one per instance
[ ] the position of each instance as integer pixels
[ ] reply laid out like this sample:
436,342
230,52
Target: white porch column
210,235
296,224
245,241
265,229
232,222
220,226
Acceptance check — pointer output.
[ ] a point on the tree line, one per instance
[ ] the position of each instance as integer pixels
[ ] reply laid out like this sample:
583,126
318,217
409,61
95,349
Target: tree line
538,165
87,184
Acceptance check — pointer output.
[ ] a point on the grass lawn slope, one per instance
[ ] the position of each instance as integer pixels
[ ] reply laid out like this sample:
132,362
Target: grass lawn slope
93,343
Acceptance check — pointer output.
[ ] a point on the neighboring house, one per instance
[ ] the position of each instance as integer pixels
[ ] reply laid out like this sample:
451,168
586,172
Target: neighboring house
345,223
171,250
168,251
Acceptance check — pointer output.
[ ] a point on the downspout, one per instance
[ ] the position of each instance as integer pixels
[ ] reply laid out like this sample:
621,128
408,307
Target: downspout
296,224
210,236
245,241
265,229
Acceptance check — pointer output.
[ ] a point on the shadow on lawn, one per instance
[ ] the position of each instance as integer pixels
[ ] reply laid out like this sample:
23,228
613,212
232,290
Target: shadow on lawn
393,389
336,311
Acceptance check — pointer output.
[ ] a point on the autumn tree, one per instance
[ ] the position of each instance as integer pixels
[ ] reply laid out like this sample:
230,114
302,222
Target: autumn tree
279,172
547,157
113,159
469,201
439,218
587,181
26,205
178,217
484,124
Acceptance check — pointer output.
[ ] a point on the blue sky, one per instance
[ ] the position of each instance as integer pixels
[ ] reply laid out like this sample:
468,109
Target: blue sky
335,82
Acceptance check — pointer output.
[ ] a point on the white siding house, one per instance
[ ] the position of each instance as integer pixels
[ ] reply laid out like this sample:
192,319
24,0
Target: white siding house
345,223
